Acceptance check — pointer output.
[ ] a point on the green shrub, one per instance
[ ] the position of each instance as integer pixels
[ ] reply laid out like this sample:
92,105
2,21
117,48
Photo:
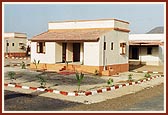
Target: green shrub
36,63
11,75
147,75
110,82
42,81
23,65
130,77
79,78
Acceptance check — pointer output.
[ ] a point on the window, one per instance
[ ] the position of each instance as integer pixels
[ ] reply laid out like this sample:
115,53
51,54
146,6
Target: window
40,47
111,45
149,50
122,48
104,45
7,44
12,44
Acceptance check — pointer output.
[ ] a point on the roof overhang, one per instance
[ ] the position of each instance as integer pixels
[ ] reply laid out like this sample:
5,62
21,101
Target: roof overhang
145,43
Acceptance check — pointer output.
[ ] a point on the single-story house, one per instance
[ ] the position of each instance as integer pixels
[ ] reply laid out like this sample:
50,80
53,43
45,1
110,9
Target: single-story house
15,44
87,45
146,49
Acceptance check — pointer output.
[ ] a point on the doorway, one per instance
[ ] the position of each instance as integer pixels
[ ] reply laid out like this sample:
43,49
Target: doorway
135,53
64,46
76,52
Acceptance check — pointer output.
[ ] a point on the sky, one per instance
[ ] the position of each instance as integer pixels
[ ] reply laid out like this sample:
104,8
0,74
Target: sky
33,18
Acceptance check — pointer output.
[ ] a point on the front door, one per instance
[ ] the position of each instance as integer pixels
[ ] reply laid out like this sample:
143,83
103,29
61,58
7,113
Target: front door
64,45
76,52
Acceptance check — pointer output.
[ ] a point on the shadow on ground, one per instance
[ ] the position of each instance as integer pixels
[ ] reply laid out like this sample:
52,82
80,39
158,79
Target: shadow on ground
133,67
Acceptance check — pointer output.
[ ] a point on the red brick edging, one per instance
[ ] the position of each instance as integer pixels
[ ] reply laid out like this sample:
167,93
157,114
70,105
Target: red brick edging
87,93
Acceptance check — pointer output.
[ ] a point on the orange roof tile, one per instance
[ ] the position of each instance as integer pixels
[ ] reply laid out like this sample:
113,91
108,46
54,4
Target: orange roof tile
71,35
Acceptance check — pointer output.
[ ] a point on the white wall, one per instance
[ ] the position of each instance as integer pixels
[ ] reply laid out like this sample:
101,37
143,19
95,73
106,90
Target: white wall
147,37
83,24
48,57
91,53
161,54
149,59
108,23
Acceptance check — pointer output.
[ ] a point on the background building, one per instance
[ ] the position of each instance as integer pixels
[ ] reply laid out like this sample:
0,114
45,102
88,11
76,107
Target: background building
15,44
146,49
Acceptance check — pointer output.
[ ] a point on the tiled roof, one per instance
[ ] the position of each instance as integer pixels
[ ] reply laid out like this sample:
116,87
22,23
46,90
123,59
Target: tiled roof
71,35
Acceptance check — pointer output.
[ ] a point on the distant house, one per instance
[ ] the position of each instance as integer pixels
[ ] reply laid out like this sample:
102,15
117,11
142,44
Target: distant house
87,45
146,49
15,44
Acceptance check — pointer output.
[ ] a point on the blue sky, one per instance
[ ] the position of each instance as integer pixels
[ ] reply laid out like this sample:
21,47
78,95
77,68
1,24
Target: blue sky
33,18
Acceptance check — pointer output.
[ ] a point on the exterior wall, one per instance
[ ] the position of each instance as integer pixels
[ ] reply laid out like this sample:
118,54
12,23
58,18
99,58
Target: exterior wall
91,53
147,37
152,59
107,23
69,52
81,25
58,52
161,55
48,57
122,25
113,56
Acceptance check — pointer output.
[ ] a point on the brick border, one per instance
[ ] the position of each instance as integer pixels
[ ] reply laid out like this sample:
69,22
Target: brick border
25,58
147,72
87,93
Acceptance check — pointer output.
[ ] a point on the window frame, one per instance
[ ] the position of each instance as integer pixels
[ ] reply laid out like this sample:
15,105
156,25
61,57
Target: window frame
40,47
123,48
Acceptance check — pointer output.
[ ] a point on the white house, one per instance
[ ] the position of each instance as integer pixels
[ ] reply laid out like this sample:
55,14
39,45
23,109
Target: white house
146,49
15,44
88,45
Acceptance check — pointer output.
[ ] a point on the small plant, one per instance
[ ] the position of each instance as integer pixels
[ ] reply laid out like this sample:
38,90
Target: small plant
66,62
130,77
36,62
42,81
23,65
11,75
96,72
110,82
79,78
147,75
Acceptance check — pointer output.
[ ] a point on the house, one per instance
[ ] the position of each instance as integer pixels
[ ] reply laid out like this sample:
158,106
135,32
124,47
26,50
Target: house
15,44
86,45
146,49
